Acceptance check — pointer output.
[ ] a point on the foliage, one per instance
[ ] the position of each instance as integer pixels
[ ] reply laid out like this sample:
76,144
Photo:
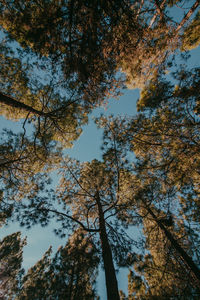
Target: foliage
70,274
162,273
65,36
190,38
11,248
59,61
46,103
91,40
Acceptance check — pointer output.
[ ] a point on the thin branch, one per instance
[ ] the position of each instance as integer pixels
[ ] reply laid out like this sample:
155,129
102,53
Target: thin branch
71,218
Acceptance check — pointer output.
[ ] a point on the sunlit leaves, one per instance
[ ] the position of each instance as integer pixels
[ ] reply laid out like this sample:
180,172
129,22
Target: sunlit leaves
190,38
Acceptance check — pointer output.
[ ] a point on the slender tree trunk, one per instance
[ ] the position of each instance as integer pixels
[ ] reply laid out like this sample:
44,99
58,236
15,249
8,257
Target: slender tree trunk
187,16
186,258
158,12
20,105
111,280
9,101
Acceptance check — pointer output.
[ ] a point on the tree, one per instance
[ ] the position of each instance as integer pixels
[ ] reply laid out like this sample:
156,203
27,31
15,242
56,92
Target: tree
190,38
163,273
11,248
78,27
148,50
100,197
149,190
55,112
23,170
165,135
92,40
147,196
70,274
88,194
81,54
167,140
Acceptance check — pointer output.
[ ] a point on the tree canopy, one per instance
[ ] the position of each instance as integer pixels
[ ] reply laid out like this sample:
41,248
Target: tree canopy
137,207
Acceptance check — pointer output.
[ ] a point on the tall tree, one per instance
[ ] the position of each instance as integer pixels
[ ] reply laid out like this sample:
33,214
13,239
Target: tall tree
163,273
146,186
89,194
69,274
166,137
11,248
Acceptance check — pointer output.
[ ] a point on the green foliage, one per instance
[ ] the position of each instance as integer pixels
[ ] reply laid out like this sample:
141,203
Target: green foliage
145,57
40,101
165,138
91,41
23,168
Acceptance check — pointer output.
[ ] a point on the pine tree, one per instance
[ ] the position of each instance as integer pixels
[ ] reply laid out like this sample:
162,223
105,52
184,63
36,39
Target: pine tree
163,272
69,274
11,249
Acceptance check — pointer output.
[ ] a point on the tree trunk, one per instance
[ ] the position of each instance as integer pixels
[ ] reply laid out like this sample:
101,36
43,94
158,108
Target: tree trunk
158,12
20,105
186,258
111,280
187,16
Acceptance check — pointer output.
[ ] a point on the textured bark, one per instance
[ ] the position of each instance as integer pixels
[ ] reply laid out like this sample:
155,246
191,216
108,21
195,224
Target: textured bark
186,258
111,280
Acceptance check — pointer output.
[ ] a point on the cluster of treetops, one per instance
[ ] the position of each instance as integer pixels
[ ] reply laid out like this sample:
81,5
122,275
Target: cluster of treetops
139,206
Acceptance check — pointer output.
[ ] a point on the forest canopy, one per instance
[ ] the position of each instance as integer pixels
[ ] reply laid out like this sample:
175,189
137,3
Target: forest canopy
137,207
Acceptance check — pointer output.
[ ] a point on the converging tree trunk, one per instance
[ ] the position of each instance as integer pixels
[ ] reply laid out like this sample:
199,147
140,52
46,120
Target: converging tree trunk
186,258
187,16
111,280
20,105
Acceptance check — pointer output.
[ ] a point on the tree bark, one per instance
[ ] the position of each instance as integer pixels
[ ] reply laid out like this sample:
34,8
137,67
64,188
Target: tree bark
20,105
158,12
186,258
187,16
111,280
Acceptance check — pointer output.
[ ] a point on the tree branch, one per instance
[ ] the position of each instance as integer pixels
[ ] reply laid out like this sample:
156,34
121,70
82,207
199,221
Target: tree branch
71,218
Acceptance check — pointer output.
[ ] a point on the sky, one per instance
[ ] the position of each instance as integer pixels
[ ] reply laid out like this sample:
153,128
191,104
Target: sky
86,148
